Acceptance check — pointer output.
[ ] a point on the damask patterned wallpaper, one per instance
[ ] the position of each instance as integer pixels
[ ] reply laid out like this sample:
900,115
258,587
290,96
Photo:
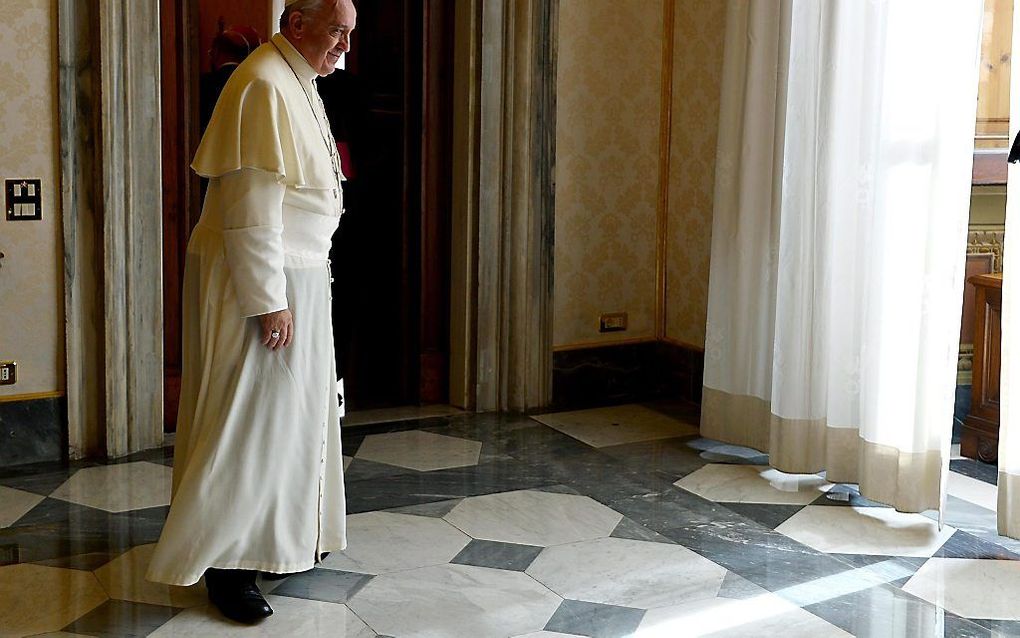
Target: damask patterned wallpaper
31,283
607,145
699,33
607,166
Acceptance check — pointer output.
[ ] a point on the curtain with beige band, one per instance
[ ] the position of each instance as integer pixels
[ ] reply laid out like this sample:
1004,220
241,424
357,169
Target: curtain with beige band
841,207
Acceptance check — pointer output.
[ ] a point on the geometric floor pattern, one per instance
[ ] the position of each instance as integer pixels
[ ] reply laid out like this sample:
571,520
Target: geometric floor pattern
506,526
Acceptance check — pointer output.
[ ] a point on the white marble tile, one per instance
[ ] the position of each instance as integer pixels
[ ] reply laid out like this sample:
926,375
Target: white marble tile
407,413
724,483
763,616
118,488
14,504
971,588
628,573
546,634
380,542
291,617
865,530
35,599
455,600
602,427
124,579
971,489
419,450
529,517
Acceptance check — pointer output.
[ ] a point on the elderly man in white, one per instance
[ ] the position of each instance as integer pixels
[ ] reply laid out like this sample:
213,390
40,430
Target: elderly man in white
258,471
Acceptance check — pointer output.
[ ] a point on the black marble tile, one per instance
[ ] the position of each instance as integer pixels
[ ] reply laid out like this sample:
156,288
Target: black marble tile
631,530
327,585
116,618
964,545
437,509
846,496
976,469
33,431
769,515
594,619
508,556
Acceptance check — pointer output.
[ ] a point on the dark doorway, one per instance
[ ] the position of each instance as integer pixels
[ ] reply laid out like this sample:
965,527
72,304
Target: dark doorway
392,110
391,255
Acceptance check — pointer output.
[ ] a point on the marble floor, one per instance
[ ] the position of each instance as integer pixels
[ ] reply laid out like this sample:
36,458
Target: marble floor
611,522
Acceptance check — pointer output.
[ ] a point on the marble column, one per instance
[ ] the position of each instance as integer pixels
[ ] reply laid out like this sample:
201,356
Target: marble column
516,204
111,186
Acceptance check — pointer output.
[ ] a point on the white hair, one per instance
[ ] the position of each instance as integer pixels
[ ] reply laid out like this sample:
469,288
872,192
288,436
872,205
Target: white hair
301,6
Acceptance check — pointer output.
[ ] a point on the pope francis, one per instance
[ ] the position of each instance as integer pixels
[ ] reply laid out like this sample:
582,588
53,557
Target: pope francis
258,472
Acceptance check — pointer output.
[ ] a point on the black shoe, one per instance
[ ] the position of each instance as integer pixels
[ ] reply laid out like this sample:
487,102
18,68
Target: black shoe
235,594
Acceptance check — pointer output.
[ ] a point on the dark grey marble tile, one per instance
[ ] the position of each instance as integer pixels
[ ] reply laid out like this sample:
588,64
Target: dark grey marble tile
671,458
364,470
45,479
326,585
119,618
771,516
508,556
880,611
964,545
82,562
846,496
162,455
68,529
437,509
976,469
365,495
737,587
595,620
631,530
998,628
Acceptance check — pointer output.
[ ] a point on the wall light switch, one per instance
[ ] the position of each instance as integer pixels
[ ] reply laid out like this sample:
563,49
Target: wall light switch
8,372
24,199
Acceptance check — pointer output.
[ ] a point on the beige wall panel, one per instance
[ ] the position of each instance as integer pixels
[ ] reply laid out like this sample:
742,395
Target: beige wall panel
699,30
607,146
31,281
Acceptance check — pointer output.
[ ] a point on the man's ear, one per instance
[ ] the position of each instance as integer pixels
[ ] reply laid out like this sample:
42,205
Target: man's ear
296,22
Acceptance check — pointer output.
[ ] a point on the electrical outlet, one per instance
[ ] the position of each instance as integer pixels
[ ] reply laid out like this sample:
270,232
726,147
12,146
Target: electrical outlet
613,322
8,372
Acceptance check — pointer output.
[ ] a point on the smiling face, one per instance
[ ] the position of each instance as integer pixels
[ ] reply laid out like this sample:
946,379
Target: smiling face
323,36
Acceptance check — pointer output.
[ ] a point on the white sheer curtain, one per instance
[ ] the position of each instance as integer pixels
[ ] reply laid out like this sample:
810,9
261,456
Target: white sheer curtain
1009,380
841,207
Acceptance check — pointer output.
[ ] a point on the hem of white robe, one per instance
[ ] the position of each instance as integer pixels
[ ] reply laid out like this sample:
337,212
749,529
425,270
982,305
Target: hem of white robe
186,580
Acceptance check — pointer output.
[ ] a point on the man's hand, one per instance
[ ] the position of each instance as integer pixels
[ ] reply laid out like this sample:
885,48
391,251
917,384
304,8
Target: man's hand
277,329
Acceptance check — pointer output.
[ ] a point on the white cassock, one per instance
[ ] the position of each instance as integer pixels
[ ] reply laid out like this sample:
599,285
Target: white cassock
258,471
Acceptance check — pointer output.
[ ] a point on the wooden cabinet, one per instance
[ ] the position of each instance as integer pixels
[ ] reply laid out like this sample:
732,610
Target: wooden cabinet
980,438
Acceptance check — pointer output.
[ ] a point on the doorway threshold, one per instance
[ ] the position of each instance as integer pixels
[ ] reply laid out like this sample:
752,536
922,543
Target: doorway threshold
405,413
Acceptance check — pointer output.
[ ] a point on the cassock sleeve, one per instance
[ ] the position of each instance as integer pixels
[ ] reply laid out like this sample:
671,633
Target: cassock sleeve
253,239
